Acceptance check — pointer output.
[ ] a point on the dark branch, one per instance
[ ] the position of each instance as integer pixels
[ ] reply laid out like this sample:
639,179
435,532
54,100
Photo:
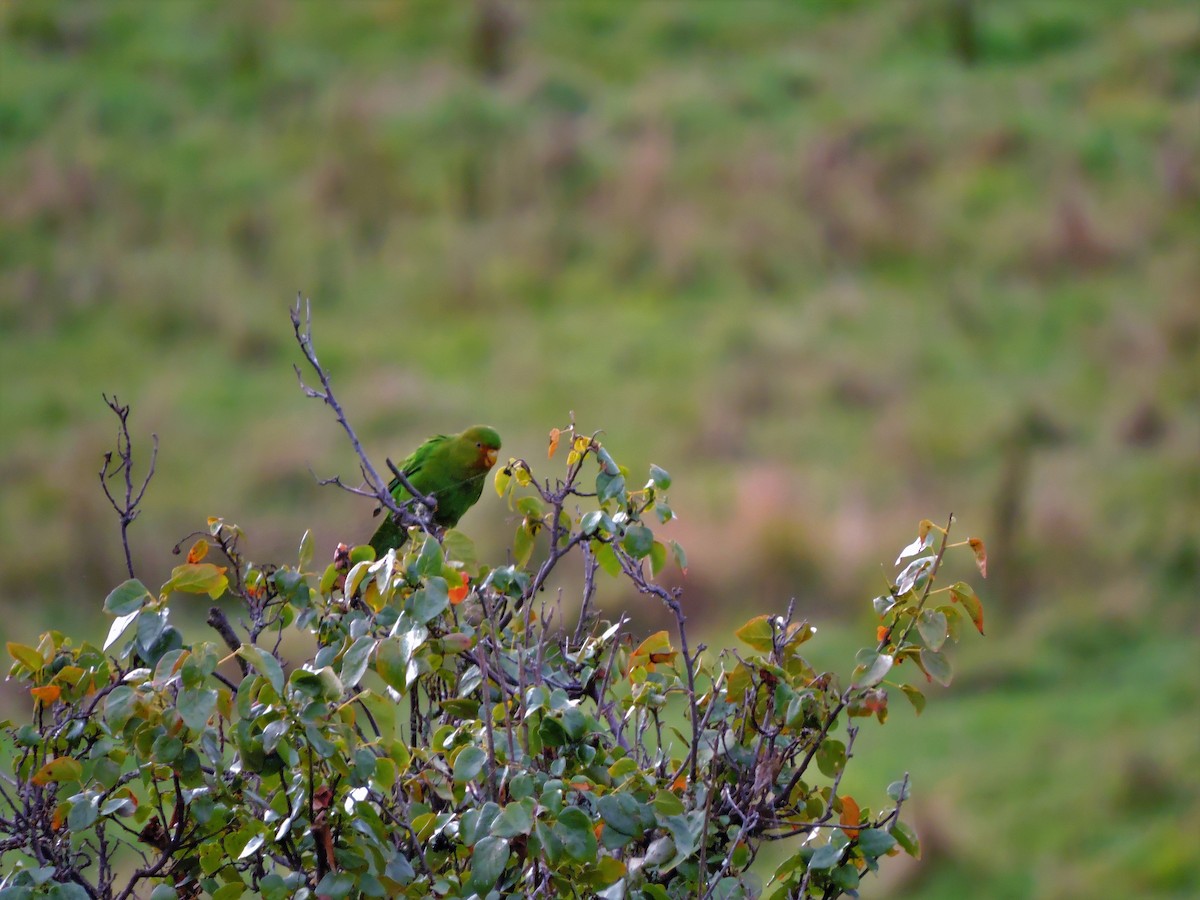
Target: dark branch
127,507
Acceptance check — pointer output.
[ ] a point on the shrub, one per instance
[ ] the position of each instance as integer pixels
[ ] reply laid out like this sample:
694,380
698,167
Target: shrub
446,731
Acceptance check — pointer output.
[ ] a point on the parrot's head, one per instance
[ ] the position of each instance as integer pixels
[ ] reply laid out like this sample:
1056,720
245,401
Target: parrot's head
483,442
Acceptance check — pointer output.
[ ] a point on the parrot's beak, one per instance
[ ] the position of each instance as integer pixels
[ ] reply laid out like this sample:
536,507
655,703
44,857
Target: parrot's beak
489,456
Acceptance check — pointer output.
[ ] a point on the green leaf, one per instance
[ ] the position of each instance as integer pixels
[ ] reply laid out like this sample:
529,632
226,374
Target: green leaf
915,697
469,763
399,869
620,813
638,541
845,876
831,757
826,857
67,891
85,809
660,477
273,733
936,666
607,558
933,628
883,604
198,578
195,707
430,601
658,557
264,663
906,837
335,885
574,829
355,660
458,546
430,559
391,662
531,507
320,685
517,818
119,706
150,625
680,556
874,842
523,542
609,486
686,831
306,550
488,860
129,596
872,668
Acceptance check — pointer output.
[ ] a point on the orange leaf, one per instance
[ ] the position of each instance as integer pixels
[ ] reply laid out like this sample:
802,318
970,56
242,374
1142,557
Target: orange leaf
555,434
850,816
459,594
581,785
47,694
198,552
679,784
980,555
881,633
962,593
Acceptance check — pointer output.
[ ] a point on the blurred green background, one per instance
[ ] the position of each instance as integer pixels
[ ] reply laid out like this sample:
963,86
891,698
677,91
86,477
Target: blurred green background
838,266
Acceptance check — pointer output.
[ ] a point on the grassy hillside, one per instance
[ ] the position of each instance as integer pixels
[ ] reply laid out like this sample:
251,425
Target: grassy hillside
804,255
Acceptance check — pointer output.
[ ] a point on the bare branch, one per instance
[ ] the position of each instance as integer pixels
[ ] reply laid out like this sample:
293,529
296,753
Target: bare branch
378,488
127,507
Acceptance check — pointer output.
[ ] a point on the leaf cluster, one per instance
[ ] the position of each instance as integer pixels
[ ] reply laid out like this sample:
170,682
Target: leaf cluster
436,727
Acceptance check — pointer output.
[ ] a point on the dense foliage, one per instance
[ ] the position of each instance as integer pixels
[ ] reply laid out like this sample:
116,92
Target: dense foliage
423,725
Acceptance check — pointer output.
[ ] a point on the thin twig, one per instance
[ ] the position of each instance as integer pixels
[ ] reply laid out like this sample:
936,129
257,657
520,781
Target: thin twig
127,508
378,487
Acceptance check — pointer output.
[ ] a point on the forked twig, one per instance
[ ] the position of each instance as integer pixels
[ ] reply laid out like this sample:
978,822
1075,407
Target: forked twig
128,508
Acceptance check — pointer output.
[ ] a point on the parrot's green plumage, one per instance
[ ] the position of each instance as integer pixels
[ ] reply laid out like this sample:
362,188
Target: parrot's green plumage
452,469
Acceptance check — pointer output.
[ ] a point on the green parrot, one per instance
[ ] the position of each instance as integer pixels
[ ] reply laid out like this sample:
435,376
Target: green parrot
451,469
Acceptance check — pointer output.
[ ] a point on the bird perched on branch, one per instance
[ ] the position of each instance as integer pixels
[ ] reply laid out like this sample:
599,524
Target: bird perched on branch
449,468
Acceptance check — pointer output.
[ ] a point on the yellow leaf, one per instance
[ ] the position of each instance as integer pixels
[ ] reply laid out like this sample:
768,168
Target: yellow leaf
26,656
198,578
198,552
757,633
503,477
62,769
659,642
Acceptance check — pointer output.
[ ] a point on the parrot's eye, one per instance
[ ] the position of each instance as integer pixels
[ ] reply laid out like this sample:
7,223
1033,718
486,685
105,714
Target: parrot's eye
479,444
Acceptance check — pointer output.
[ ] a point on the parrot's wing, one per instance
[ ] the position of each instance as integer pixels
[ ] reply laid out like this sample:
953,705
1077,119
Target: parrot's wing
414,465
